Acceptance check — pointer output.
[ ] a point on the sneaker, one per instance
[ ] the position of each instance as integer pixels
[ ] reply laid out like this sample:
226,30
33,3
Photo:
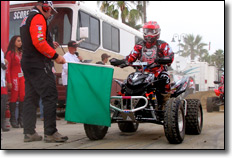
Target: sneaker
32,137
56,137
5,129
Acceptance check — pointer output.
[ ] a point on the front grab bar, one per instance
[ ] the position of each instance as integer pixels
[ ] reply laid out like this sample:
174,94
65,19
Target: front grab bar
131,98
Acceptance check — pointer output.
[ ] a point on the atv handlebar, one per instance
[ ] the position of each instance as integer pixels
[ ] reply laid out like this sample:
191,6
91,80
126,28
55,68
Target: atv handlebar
124,63
164,60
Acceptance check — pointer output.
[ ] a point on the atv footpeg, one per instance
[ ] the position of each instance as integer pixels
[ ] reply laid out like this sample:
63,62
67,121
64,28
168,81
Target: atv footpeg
132,107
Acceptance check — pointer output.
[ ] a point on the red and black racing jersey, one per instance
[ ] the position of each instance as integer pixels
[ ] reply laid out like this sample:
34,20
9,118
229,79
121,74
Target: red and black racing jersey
37,43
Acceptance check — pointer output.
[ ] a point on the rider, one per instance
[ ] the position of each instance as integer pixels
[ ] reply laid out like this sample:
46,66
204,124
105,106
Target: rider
221,86
150,50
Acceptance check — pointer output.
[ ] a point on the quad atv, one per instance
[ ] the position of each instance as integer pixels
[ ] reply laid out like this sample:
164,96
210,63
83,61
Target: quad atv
214,103
140,101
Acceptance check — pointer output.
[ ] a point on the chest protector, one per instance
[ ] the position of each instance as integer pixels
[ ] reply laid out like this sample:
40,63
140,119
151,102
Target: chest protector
149,54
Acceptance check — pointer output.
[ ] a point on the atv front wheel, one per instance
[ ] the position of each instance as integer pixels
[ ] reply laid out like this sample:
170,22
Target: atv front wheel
95,132
174,121
194,117
128,126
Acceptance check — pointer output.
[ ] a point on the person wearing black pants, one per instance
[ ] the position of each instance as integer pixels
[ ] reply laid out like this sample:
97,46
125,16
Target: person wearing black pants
40,82
38,53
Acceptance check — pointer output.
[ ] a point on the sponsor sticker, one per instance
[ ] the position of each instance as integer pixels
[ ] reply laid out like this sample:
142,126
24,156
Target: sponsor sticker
39,28
40,38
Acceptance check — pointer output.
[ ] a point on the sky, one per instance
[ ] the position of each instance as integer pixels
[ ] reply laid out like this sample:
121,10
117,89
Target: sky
204,18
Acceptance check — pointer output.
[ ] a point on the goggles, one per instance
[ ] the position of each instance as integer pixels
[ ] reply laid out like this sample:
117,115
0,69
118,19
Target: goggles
151,31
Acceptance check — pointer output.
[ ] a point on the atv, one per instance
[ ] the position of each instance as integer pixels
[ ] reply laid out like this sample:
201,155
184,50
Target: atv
140,101
214,103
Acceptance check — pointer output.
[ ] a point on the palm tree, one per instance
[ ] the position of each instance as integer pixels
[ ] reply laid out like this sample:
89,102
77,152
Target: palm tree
218,58
192,46
207,58
129,16
108,8
202,52
133,16
142,8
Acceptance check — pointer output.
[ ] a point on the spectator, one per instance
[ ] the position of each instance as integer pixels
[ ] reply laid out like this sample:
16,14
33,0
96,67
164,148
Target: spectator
104,58
38,53
71,56
15,79
3,92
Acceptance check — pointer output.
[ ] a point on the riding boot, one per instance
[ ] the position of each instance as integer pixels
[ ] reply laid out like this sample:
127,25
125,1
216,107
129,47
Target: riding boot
20,119
12,115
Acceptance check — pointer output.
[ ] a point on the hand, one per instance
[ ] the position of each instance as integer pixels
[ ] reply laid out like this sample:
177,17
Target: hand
60,60
6,62
9,85
56,44
117,62
80,58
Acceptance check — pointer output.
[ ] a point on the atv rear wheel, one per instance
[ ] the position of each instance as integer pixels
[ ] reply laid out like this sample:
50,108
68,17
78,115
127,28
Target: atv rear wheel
194,117
211,104
95,132
128,126
174,121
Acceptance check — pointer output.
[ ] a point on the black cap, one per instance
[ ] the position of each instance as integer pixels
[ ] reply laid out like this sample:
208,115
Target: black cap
72,44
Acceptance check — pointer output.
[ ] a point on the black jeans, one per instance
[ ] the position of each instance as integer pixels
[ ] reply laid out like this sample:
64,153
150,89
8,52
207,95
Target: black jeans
39,83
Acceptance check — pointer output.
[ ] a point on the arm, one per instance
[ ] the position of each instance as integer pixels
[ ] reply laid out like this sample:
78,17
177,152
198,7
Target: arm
166,53
8,70
135,54
38,30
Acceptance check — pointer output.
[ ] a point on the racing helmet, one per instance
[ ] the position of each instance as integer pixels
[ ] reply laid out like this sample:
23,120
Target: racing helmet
151,31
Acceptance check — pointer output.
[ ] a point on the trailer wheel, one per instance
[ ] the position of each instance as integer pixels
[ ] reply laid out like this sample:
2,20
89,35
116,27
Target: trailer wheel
95,132
174,121
194,117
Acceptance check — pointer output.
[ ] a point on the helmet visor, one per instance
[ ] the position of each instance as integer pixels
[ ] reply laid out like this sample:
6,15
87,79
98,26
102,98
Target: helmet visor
152,32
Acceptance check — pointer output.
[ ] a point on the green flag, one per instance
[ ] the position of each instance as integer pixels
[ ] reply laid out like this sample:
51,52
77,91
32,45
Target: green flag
88,94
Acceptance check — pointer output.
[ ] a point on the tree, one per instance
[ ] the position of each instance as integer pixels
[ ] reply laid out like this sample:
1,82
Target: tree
129,15
108,9
192,46
202,53
218,58
142,8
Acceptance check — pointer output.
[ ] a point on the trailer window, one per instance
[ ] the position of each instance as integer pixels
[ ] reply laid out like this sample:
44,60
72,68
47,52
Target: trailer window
61,25
86,20
110,37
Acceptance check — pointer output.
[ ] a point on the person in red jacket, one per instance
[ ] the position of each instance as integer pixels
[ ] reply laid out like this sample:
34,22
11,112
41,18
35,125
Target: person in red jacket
150,50
15,79
38,53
